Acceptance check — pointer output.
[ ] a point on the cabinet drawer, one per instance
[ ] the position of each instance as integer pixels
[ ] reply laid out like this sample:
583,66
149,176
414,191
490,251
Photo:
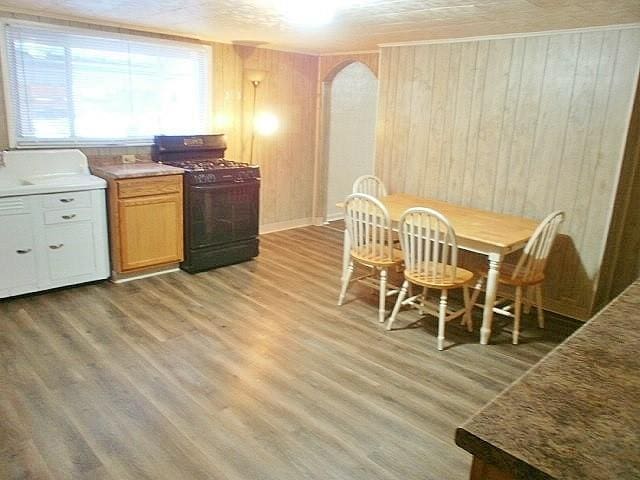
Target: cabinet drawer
140,187
14,205
66,200
67,216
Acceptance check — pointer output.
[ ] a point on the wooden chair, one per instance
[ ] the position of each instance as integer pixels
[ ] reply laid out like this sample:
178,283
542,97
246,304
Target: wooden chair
431,261
370,185
528,272
369,229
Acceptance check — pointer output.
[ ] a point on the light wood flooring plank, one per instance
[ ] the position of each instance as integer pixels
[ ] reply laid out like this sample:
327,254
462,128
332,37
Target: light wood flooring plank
249,371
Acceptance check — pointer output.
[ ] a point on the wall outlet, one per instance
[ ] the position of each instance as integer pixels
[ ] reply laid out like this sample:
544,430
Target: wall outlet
128,158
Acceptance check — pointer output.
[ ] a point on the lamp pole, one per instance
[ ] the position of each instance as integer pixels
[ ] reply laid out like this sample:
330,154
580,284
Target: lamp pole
255,84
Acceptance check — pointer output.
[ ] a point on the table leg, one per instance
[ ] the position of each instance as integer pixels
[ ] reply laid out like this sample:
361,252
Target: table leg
346,253
490,297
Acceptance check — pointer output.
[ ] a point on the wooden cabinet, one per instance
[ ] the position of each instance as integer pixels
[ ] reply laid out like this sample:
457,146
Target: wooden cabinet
146,224
148,230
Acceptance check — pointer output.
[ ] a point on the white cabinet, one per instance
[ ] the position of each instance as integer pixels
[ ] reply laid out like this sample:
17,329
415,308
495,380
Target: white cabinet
70,250
52,240
17,252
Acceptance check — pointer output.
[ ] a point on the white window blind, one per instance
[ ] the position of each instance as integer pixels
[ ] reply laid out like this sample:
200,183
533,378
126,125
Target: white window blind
76,87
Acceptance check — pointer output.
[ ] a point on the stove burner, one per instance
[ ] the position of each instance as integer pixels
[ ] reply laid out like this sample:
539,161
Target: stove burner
199,165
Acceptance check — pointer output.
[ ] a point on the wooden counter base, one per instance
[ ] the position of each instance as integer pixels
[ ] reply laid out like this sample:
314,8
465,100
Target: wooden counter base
485,471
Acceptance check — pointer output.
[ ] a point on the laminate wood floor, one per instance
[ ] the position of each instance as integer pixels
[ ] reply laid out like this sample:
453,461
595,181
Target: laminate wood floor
245,372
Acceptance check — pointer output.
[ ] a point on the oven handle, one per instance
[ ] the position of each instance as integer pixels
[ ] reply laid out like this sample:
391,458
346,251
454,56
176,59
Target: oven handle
221,186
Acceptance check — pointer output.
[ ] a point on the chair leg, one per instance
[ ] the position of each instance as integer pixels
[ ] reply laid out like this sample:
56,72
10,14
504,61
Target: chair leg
476,291
399,300
516,315
539,305
467,317
345,282
383,295
442,318
527,300
425,292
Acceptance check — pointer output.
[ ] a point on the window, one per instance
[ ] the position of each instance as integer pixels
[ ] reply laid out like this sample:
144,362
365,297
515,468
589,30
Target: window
81,87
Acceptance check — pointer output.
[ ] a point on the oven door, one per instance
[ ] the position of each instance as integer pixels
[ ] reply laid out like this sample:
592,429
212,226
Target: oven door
222,213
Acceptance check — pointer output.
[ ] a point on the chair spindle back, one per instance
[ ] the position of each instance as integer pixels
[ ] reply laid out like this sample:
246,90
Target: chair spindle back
368,225
370,185
429,244
536,252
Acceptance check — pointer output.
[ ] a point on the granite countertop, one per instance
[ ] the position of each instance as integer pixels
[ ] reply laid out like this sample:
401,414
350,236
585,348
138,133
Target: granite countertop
576,414
134,170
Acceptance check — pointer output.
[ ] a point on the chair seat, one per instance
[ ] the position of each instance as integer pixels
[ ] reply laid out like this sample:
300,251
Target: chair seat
506,276
366,256
448,280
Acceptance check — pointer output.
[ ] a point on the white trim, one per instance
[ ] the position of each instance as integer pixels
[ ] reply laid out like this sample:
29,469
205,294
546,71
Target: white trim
88,144
4,67
624,26
286,225
356,52
144,275
95,32
50,17
334,216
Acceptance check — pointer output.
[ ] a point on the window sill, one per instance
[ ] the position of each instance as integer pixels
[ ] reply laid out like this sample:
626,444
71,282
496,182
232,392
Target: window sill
53,146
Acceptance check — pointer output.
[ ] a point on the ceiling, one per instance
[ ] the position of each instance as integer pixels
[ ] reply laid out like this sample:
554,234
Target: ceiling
358,25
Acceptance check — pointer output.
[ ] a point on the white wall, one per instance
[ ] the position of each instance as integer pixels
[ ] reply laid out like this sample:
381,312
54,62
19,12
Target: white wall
352,123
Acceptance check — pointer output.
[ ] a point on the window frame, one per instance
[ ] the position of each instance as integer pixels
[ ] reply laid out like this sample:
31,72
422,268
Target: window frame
10,114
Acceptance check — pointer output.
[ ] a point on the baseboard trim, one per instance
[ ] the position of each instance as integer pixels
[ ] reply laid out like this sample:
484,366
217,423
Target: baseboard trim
334,216
286,225
123,277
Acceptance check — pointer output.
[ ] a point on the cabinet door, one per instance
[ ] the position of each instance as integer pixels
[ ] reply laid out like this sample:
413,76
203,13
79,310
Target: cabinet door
17,255
70,250
150,231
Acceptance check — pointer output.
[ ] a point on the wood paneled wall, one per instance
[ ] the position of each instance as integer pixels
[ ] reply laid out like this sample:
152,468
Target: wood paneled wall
286,158
519,125
289,91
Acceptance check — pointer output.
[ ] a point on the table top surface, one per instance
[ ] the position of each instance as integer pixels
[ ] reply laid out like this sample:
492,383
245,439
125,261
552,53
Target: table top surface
482,226
574,415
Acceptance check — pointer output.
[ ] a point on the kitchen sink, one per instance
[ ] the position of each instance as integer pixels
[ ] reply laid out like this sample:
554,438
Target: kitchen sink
33,173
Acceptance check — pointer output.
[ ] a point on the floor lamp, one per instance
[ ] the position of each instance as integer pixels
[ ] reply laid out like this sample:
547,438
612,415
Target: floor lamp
255,77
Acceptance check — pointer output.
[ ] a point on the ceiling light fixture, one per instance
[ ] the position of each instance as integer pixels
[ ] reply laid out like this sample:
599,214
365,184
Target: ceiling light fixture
308,13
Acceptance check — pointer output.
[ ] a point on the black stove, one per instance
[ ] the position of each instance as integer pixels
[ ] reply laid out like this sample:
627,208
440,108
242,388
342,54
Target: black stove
221,200
217,170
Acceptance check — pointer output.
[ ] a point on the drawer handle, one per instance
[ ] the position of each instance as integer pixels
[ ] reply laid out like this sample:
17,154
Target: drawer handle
67,200
56,247
23,251
69,217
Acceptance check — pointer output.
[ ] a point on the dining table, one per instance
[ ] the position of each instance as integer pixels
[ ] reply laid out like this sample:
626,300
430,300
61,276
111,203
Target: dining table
492,234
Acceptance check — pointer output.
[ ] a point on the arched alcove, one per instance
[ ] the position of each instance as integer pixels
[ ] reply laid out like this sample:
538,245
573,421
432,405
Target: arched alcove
349,106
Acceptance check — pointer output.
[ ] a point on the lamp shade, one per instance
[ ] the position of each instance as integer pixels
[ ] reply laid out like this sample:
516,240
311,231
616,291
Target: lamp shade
255,75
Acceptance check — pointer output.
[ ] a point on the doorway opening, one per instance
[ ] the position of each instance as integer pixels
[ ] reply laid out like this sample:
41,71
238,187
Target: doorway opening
350,99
